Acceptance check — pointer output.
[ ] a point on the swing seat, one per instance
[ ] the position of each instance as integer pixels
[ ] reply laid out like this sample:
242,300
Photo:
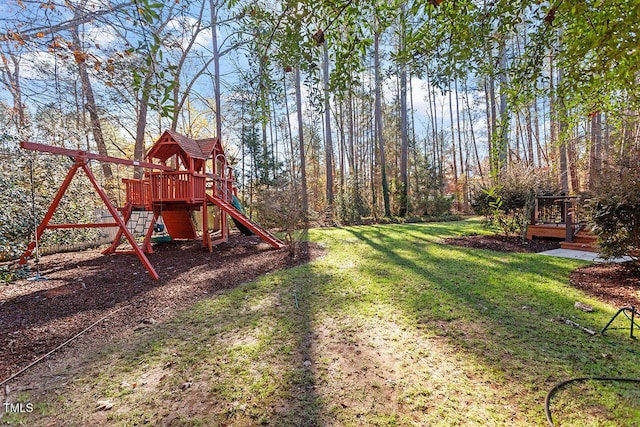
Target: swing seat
161,239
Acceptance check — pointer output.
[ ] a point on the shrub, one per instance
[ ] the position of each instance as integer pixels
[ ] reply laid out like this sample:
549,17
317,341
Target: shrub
16,224
280,205
18,217
351,207
507,206
438,206
615,213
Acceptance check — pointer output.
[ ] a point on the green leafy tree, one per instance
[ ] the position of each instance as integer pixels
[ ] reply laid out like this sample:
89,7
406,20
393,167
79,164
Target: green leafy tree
615,213
507,206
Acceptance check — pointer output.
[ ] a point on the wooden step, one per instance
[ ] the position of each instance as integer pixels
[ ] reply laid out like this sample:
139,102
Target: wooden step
576,246
585,238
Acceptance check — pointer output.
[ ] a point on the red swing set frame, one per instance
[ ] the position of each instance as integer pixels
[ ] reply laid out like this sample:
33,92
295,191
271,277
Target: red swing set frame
182,190
81,159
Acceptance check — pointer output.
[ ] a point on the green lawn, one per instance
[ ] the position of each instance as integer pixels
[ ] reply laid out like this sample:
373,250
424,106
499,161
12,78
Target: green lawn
390,327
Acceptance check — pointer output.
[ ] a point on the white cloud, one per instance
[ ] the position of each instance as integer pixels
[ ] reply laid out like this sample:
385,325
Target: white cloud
102,36
182,29
33,63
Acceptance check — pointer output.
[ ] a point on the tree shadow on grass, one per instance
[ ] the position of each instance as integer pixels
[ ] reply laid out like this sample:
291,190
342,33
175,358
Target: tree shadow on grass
459,294
245,353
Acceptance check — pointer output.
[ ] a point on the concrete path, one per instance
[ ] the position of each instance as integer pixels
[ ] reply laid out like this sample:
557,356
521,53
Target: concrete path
581,255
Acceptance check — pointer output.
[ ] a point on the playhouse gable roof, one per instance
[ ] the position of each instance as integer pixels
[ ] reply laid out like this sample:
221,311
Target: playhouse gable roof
208,145
171,142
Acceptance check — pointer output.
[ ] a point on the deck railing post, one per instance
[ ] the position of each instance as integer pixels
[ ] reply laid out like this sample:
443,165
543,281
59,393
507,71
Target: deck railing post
568,220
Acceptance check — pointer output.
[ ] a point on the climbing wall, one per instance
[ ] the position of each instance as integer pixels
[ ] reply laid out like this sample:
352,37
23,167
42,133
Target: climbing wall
139,222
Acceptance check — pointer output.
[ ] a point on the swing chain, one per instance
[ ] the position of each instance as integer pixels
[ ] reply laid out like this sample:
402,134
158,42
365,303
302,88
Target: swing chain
36,260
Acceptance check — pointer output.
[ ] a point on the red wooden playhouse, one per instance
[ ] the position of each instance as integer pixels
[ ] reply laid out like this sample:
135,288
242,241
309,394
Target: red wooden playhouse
201,177
184,178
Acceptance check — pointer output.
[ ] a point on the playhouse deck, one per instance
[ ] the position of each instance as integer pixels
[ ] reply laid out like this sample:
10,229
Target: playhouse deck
188,188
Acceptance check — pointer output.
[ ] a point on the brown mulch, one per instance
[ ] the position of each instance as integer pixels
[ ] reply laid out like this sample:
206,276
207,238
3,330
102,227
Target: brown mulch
83,287
612,283
501,243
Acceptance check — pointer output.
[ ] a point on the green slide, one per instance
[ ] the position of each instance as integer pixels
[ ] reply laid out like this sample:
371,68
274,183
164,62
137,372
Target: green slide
243,229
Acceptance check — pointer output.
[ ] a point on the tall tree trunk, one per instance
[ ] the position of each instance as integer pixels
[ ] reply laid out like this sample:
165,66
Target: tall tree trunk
542,154
572,163
303,160
343,148
595,158
606,136
453,152
243,150
81,117
90,105
351,139
11,81
141,124
489,117
529,129
378,124
328,142
493,138
503,143
462,161
265,148
213,5
432,115
517,137
473,135
273,126
404,125
553,113
562,139
404,143
289,133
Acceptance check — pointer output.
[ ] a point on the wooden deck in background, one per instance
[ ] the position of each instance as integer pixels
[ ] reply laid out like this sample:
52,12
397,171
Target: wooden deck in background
583,240
547,230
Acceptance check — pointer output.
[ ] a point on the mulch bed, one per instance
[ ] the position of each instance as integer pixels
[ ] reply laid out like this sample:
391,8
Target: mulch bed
83,287
612,283
501,243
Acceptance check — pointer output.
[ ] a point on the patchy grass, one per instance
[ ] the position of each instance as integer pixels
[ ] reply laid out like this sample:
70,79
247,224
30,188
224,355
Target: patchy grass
390,328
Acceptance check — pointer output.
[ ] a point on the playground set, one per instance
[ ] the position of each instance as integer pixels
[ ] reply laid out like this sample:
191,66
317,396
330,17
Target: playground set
183,176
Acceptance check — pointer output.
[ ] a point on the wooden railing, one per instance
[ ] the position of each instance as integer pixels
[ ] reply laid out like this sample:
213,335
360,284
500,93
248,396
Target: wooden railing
138,192
565,210
177,187
222,188
167,187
